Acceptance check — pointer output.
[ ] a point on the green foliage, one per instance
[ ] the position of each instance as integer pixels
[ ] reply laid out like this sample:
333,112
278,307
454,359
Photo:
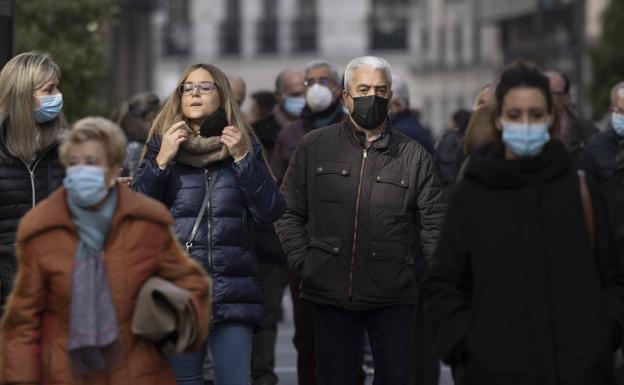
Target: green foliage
75,34
608,58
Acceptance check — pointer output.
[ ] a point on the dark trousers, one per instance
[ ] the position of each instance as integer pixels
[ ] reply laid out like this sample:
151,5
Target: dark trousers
339,334
304,333
274,280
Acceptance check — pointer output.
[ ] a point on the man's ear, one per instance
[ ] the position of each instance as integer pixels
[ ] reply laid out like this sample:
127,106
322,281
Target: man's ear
498,124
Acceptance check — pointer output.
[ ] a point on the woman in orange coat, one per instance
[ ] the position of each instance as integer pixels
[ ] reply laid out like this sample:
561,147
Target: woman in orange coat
84,254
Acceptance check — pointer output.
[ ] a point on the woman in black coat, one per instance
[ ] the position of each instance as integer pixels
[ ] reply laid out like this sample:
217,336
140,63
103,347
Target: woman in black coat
30,124
525,287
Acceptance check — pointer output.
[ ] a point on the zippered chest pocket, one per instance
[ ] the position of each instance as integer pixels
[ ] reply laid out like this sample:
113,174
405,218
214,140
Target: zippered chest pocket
389,190
332,181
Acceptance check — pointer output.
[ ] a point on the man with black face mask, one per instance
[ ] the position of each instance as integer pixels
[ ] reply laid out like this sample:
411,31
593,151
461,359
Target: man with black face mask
364,211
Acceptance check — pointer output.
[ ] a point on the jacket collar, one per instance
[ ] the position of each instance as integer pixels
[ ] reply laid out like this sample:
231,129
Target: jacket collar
382,143
54,212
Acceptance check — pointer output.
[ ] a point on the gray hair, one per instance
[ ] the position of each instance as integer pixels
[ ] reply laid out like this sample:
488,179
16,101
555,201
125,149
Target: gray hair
323,64
367,61
617,92
400,91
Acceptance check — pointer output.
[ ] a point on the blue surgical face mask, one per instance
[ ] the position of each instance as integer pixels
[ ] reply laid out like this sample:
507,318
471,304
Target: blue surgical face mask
86,185
617,120
523,139
51,106
293,105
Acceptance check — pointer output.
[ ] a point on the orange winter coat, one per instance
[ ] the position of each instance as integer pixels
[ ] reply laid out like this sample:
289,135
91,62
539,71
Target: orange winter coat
35,326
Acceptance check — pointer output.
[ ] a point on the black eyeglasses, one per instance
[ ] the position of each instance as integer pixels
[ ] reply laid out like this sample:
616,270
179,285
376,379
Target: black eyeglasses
203,87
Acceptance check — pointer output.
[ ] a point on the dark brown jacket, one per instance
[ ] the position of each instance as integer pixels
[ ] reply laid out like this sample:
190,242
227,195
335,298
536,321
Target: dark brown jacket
357,218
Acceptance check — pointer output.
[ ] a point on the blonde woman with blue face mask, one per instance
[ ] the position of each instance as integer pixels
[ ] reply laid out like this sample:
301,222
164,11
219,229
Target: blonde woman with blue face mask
525,286
30,123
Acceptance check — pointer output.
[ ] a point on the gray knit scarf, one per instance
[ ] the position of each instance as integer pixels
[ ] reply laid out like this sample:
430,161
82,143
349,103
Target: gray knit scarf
200,152
93,335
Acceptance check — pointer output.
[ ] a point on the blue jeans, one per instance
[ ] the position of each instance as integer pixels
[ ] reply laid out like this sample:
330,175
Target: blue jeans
230,343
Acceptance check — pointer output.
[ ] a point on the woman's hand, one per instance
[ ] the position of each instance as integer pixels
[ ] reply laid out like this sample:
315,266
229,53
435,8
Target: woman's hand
171,141
236,143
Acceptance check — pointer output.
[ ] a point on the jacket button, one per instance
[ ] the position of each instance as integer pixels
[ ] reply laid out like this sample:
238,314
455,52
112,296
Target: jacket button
402,181
344,172
336,249
374,254
378,177
319,169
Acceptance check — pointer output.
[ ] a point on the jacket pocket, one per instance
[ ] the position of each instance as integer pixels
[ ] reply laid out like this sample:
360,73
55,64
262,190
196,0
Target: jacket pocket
390,190
332,180
390,274
322,265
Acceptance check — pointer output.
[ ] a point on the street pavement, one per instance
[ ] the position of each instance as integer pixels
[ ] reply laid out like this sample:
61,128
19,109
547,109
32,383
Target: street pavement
285,356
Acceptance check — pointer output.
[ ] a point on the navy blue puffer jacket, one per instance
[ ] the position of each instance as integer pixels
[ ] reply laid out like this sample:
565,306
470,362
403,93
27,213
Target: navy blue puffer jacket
241,194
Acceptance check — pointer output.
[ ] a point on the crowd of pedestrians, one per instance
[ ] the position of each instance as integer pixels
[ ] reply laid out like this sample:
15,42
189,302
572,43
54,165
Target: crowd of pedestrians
155,247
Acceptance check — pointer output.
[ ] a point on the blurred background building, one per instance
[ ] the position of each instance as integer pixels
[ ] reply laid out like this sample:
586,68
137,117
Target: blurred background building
445,49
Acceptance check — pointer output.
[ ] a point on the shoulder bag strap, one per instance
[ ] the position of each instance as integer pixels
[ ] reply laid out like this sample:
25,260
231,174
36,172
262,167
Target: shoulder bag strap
210,181
588,209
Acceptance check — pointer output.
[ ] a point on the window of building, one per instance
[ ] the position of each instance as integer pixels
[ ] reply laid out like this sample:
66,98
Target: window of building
305,26
230,37
442,45
458,44
177,28
267,28
388,23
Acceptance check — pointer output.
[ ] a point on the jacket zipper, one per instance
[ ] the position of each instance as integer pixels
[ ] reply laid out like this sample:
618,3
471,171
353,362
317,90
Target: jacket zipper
355,226
208,178
31,172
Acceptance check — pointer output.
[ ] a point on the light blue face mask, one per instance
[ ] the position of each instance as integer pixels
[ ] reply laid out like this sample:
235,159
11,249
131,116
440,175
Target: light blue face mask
523,139
617,120
51,106
86,185
293,105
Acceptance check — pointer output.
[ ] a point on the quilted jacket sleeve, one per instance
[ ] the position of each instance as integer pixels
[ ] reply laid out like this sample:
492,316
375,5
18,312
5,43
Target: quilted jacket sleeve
292,227
150,179
263,199
430,204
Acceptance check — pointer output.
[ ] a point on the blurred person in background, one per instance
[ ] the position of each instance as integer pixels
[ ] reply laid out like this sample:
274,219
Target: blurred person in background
31,121
239,88
136,120
573,131
525,286
449,154
272,266
403,120
290,95
85,253
206,166
322,108
485,96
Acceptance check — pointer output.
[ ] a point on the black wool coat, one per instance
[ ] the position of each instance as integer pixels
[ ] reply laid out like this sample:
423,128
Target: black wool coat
515,294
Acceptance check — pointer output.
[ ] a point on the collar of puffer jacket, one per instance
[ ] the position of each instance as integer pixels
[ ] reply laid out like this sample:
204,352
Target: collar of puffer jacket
53,212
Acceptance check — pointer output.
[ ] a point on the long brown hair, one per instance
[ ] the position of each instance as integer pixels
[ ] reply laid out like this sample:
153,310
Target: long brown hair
172,109
19,78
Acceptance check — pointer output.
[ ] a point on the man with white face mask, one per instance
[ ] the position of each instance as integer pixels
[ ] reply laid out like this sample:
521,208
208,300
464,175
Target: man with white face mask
603,158
322,108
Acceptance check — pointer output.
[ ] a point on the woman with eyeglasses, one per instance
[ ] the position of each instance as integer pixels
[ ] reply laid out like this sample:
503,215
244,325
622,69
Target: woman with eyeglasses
30,124
205,164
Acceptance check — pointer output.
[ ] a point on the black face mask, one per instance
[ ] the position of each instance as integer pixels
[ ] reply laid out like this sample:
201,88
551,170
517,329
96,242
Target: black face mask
214,124
369,111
